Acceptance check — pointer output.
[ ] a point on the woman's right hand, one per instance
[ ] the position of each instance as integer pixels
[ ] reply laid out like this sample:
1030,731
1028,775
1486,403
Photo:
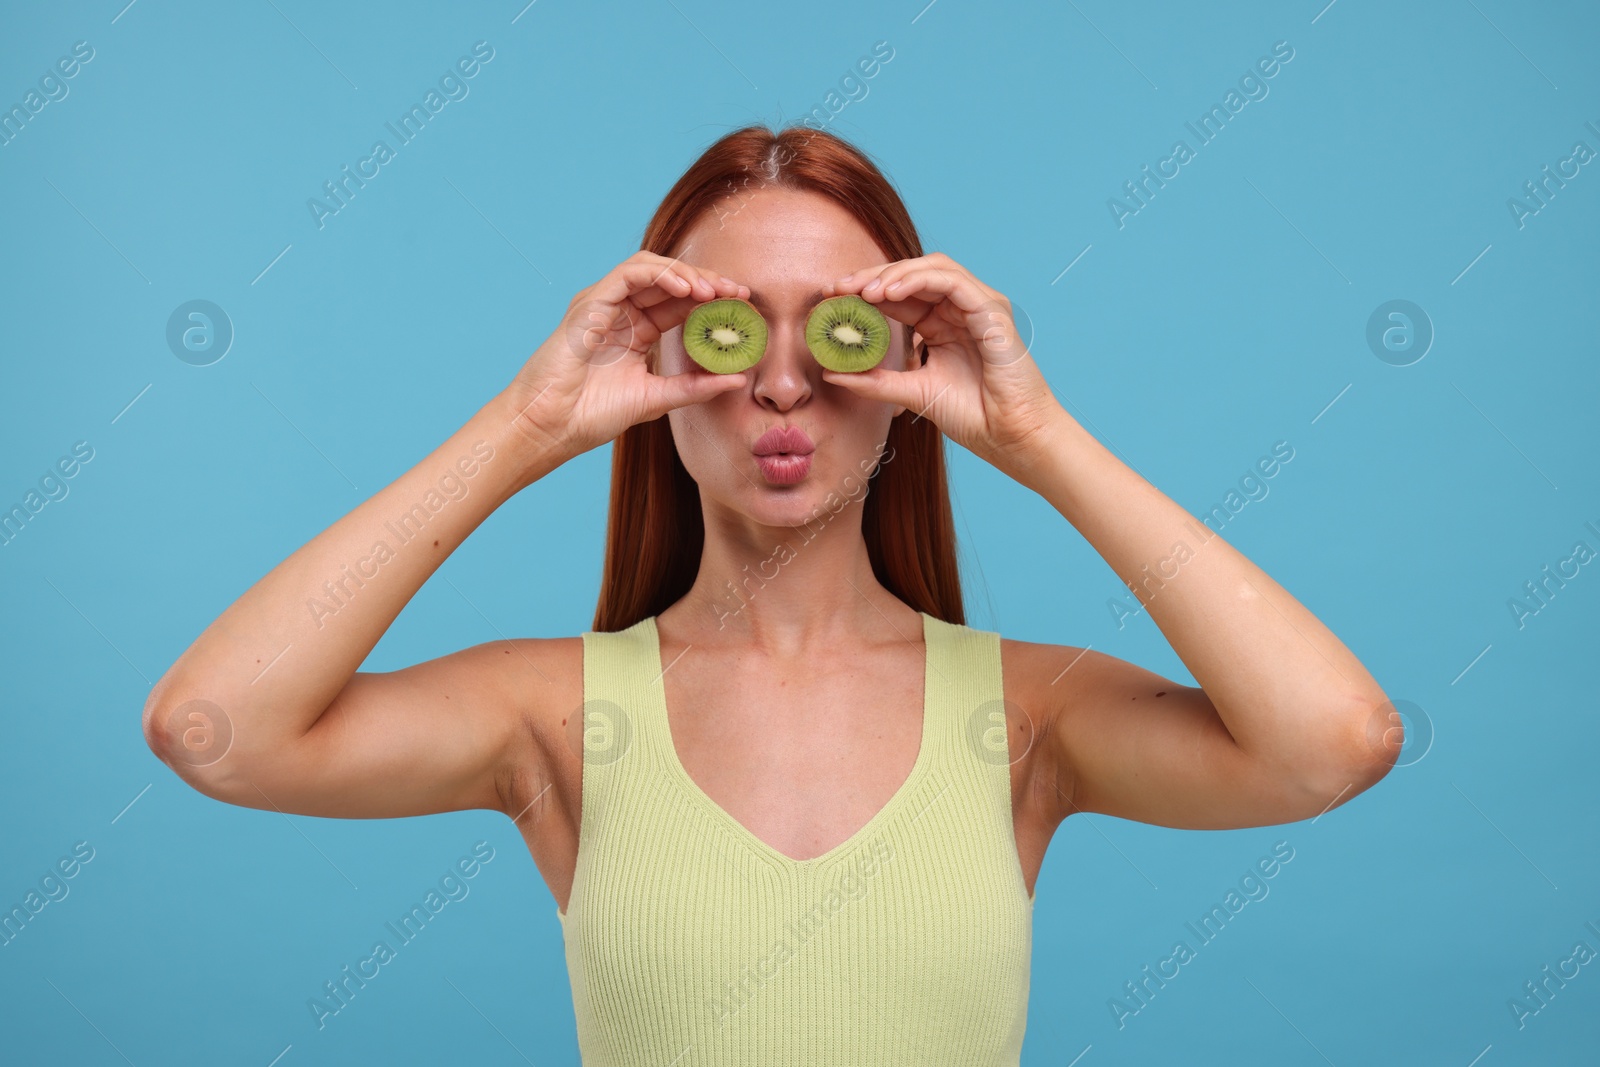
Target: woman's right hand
589,381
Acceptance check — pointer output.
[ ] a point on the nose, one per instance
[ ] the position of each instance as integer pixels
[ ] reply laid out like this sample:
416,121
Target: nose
787,373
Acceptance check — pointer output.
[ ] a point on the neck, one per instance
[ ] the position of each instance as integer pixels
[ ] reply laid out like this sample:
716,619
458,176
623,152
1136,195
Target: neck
783,589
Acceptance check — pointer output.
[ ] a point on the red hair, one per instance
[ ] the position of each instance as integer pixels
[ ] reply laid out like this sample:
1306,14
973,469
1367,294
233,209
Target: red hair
655,531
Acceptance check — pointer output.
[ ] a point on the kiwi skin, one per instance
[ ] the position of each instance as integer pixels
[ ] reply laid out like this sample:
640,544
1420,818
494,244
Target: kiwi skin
729,313
853,311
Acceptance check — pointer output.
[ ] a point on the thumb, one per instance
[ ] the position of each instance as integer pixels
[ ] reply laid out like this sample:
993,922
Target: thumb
679,390
879,384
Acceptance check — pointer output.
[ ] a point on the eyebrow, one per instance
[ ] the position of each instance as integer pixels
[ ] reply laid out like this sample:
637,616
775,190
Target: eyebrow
811,299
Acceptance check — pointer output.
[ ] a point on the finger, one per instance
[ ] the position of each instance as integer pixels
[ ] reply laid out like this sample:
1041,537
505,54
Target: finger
914,312
702,283
853,282
672,313
647,297
910,312
944,262
905,388
668,309
706,283
633,278
860,278
962,309
598,332
647,279
677,390
716,284
932,284
941,323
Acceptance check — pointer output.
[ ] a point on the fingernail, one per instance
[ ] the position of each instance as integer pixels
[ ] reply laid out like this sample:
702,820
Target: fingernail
874,283
893,287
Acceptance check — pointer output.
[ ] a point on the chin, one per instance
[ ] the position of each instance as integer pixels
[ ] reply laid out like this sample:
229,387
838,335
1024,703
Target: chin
790,505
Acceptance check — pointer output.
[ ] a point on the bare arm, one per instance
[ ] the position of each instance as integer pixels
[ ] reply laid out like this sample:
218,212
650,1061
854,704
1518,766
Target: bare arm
277,665
1285,722
266,708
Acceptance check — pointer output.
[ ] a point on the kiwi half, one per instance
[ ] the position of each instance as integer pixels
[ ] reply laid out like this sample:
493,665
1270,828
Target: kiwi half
725,336
847,334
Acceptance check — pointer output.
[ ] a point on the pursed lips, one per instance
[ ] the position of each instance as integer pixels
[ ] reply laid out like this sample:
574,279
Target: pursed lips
783,440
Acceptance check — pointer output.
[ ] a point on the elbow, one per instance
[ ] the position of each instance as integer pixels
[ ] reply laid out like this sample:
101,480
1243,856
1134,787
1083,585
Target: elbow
190,736
158,718
1380,734
1364,746
152,723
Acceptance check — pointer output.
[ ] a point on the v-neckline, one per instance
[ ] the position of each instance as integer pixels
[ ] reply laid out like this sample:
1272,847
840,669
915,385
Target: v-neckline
897,799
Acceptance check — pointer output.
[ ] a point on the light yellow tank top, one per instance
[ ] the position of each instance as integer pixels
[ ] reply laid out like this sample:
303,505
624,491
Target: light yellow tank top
690,942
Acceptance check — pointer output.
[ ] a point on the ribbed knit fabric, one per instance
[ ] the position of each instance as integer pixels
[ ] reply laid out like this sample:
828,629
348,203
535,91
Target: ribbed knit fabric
691,943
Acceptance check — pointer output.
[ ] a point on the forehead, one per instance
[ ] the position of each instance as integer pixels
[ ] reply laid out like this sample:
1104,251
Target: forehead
782,243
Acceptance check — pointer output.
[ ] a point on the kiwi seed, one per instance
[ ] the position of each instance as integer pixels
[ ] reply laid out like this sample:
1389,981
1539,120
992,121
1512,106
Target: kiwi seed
725,336
847,334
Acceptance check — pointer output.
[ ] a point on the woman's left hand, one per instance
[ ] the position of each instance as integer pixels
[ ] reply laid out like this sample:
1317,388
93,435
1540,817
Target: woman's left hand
980,385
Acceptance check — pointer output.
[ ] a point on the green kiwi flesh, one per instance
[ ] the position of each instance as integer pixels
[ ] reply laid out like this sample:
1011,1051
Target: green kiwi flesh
725,336
847,334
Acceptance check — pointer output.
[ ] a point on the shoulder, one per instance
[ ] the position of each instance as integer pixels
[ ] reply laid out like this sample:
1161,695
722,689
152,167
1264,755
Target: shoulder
1062,676
1055,687
1039,676
1049,680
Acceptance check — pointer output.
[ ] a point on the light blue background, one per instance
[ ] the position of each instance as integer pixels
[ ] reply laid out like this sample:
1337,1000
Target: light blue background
1227,315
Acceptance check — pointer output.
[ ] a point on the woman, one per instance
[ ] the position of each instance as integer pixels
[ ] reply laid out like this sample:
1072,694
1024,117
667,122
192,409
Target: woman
825,852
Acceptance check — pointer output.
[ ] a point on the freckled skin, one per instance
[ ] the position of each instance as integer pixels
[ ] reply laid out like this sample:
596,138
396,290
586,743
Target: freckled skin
796,242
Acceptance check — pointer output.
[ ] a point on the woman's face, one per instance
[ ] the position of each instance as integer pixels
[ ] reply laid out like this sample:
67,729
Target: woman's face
787,246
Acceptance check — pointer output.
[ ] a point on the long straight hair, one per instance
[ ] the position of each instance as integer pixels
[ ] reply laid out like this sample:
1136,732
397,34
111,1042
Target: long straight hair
655,531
